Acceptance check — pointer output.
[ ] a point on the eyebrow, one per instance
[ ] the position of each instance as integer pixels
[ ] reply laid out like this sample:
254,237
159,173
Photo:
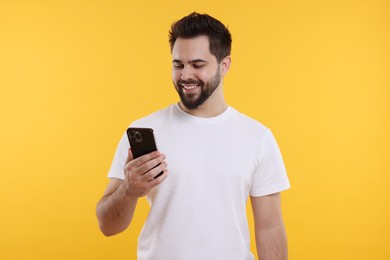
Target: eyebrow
191,61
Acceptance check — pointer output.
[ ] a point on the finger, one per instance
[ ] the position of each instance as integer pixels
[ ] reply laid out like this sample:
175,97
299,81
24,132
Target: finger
127,167
156,181
154,172
143,164
138,162
149,165
129,156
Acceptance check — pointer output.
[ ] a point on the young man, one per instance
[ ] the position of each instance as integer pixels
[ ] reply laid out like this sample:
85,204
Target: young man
217,158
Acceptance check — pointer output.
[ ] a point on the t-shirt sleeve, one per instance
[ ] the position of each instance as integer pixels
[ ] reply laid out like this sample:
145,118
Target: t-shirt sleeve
116,170
271,176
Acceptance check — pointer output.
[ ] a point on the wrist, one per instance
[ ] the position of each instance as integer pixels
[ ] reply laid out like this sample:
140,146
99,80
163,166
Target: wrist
127,192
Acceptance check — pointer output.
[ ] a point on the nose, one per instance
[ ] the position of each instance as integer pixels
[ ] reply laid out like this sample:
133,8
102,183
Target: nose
186,73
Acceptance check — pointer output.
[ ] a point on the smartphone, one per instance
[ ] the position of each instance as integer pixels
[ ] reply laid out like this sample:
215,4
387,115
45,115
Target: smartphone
142,142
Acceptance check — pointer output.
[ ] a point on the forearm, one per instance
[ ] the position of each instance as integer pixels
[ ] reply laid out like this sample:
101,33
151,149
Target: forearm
271,243
115,211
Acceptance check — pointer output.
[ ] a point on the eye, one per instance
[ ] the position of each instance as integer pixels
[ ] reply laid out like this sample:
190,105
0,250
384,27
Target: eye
198,66
178,65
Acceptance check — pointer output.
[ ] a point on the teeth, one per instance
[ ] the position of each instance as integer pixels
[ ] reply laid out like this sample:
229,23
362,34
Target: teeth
190,87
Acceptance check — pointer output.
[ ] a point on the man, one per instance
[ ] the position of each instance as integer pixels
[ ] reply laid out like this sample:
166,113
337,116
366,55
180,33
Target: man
217,158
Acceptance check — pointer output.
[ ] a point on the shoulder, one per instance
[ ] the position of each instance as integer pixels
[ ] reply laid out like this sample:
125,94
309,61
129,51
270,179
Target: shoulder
248,123
155,119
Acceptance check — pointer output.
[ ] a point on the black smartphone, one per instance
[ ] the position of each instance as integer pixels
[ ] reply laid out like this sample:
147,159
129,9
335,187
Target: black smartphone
141,142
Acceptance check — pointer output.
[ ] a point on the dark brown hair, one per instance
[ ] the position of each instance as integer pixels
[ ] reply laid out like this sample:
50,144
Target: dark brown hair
197,24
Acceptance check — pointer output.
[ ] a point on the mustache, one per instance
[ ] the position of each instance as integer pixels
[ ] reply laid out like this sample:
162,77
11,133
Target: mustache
197,82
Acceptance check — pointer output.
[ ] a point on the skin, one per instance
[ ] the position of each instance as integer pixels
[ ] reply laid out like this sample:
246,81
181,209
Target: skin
116,208
193,64
271,240
192,60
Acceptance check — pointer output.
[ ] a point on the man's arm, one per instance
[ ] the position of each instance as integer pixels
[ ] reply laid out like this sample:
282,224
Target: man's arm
116,208
271,240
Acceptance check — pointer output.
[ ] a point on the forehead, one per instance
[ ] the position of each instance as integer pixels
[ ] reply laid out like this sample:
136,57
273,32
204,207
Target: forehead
192,49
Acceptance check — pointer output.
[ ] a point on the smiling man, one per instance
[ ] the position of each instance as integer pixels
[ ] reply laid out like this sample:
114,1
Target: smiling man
217,159
197,74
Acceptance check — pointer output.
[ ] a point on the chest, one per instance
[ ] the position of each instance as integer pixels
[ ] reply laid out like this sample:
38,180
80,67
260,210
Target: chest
209,157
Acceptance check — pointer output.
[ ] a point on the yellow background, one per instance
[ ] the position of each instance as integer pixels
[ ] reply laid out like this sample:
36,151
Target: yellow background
74,74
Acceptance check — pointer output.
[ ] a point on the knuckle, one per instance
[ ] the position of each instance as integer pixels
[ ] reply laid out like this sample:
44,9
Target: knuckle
140,160
128,169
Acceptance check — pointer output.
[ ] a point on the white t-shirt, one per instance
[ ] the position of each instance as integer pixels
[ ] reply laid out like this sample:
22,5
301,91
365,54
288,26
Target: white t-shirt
199,211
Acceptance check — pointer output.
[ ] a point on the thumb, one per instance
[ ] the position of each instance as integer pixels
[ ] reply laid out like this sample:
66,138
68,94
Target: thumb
129,156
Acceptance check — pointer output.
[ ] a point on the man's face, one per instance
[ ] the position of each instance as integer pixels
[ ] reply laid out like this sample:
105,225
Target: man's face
196,72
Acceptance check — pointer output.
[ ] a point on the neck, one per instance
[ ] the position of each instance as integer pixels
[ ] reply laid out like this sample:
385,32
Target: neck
213,106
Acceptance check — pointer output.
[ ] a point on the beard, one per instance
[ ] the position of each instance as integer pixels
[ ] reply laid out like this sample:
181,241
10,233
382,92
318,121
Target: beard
194,100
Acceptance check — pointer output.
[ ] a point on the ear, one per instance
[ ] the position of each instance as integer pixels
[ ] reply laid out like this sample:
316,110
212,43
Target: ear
225,65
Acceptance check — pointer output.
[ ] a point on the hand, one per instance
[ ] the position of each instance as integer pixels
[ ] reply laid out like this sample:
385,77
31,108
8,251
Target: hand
140,173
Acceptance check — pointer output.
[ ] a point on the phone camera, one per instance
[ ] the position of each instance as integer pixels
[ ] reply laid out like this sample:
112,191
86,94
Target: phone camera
135,137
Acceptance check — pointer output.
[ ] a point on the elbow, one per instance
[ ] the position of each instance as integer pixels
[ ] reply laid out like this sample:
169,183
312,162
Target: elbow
106,232
109,223
109,231
102,223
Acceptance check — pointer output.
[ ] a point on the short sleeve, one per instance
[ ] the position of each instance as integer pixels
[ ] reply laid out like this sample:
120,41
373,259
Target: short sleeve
270,176
116,170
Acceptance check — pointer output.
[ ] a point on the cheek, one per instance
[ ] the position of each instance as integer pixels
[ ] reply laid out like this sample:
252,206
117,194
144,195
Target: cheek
175,75
207,76
202,75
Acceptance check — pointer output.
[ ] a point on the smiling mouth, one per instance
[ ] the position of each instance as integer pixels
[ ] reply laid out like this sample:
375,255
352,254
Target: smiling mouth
189,87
